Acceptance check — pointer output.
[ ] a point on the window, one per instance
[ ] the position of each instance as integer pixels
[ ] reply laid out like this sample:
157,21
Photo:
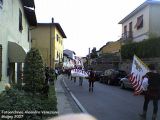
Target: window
1,4
139,23
0,62
57,37
125,32
61,56
28,36
125,29
20,21
57,54
130,30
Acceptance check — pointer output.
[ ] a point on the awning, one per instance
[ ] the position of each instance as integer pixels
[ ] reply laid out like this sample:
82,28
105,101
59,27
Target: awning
15,52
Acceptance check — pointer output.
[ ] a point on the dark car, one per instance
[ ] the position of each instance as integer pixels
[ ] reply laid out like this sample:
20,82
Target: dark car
107,75
115,77
103,78
98,75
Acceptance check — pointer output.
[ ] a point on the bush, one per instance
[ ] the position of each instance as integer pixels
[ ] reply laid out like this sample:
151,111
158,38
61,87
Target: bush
145,49
41,107
34,75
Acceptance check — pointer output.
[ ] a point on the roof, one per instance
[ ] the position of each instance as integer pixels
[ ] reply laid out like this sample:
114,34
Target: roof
65,54
29,10
28,3
57,25
31,16
105,45
67,50
142,6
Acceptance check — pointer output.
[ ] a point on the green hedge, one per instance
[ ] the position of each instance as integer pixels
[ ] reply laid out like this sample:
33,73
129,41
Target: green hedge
30,107
146,49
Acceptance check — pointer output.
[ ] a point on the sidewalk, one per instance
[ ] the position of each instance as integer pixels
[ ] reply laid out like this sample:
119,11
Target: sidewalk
65,102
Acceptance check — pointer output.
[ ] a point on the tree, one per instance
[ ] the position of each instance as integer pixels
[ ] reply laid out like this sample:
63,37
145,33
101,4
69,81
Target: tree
34,75
94,53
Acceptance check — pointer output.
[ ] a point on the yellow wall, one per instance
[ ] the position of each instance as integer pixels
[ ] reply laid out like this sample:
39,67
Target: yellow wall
111,47
41,37
58,46
40,40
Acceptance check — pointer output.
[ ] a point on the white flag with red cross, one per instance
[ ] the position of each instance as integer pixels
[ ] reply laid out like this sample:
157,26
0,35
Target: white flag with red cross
139,69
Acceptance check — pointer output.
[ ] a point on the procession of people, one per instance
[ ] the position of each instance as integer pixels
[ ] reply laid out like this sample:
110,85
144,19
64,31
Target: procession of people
149,85
79,74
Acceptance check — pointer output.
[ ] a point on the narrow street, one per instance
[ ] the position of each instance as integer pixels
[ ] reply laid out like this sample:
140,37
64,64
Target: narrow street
108,102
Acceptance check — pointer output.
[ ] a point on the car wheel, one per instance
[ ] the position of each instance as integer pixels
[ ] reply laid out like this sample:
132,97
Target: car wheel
122,85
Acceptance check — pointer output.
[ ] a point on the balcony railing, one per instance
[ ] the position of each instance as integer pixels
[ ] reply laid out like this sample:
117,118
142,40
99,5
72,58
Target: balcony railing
127,35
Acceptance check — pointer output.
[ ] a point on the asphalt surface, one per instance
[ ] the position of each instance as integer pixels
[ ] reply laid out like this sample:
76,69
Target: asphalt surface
108,102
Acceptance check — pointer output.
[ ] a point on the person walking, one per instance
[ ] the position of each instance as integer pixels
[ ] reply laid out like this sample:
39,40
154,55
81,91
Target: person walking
80,81
56,73
69,73
81,77
152,92
91,80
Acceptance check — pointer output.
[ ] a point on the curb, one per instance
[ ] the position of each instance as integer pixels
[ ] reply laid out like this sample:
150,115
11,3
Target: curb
75,99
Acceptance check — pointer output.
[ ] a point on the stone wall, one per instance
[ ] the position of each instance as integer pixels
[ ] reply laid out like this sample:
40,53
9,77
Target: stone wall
127,64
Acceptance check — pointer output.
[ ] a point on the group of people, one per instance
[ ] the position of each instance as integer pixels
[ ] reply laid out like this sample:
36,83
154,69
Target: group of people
49,79
91,78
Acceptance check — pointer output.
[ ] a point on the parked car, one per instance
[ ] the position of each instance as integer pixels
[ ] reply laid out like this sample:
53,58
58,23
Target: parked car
98,75
121,74
112,77
115,77
105,76
125,83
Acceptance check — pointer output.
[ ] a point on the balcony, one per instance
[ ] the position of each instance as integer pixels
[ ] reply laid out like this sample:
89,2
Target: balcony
128,35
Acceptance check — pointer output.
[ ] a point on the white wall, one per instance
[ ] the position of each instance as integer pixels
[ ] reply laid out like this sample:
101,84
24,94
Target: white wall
9,31
141,33
155,20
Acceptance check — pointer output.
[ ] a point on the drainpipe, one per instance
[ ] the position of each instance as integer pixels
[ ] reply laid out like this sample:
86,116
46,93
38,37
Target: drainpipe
51,46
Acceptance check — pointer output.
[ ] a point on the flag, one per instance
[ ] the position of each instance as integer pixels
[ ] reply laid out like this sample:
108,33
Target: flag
139,69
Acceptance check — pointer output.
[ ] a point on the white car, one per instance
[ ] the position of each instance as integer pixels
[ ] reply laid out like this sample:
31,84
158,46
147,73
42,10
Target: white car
125,83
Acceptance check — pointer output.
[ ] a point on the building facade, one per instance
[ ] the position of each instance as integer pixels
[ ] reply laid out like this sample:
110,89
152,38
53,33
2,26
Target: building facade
68,59
48,38
142,23
110,47
16,20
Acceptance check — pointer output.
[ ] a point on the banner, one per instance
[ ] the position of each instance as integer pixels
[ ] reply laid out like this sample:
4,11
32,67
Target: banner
139,69
78,73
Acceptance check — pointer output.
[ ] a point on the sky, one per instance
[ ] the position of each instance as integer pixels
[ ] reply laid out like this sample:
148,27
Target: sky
86,23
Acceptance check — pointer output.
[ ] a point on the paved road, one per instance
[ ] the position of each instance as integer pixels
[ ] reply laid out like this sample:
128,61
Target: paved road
109,102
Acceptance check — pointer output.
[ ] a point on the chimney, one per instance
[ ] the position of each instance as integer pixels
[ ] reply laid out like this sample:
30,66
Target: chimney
52,20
